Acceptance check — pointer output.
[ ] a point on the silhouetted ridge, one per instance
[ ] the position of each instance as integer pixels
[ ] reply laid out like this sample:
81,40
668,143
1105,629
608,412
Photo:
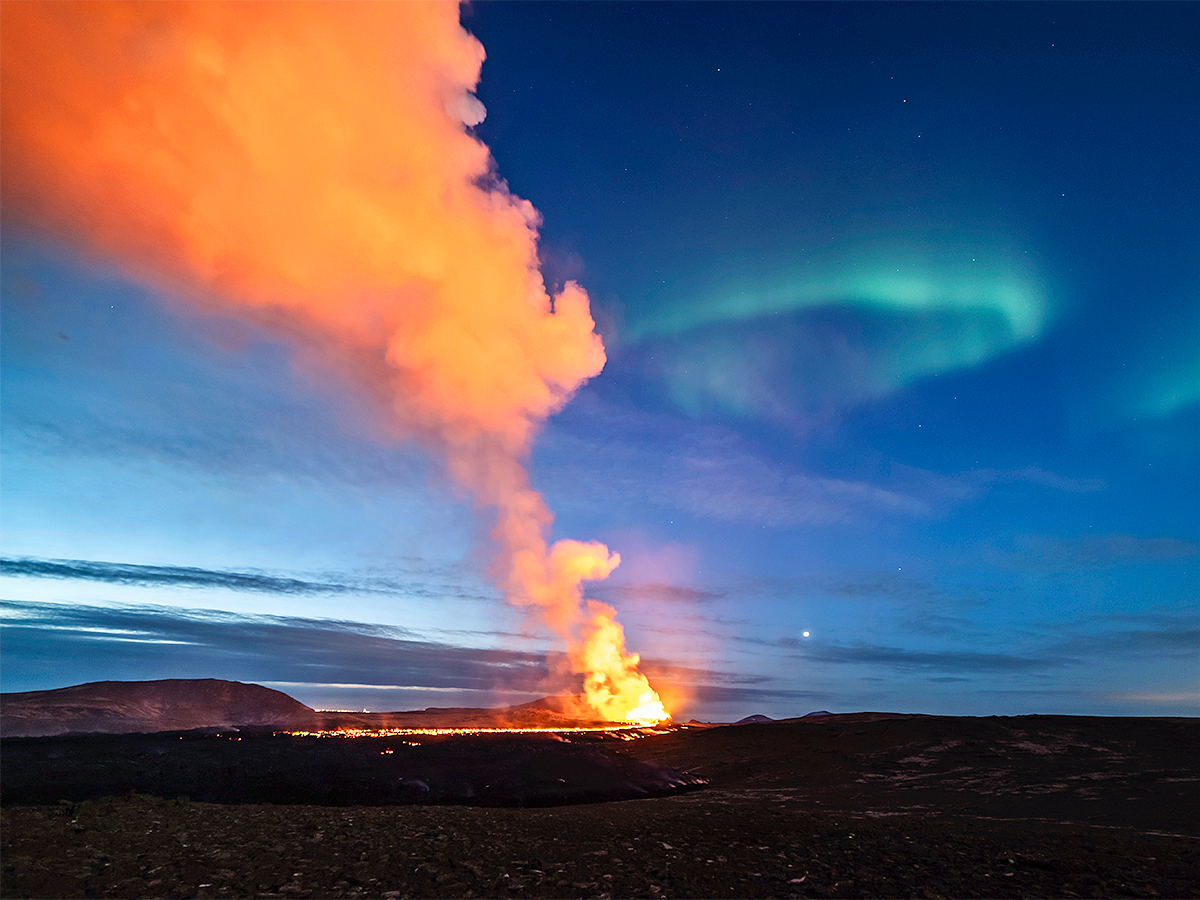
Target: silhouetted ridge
174,704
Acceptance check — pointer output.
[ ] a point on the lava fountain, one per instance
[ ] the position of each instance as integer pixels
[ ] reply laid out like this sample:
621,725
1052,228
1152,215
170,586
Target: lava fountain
312,167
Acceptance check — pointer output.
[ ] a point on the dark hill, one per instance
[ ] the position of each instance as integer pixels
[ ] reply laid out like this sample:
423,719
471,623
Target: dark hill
174,704
130,707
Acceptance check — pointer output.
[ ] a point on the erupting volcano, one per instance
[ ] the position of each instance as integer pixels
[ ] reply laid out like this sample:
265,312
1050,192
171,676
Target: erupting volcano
312,167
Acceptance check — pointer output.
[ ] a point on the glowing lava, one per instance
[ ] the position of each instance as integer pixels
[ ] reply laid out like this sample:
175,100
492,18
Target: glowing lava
612,684
624,732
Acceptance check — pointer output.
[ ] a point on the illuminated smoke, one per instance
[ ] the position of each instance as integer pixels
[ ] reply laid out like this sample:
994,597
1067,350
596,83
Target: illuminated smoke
310,166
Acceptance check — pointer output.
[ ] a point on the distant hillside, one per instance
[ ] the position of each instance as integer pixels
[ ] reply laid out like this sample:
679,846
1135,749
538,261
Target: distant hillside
127,707
175,704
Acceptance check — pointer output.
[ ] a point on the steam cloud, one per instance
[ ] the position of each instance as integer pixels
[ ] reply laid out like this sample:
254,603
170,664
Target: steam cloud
309,166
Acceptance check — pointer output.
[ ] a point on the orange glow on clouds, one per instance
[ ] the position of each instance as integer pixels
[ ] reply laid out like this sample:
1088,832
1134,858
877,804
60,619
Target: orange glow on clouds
309,165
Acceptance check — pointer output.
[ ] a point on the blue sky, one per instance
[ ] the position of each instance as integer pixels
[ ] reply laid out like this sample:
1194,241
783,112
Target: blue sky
901,409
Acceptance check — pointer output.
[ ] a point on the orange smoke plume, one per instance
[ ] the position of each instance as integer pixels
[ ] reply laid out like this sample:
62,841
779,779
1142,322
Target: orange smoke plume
311,166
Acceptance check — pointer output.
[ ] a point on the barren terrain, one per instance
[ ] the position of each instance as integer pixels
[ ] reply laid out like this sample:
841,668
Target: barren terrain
831,806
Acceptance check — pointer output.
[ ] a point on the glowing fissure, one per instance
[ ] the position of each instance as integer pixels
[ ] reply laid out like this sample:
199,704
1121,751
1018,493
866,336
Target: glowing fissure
309,166
628,731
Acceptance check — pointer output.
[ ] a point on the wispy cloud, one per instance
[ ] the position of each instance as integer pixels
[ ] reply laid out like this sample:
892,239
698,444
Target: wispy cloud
222,400
626,458
171,576
717,694
91,642
873,585
654,591
900,658
1055,554
660,670
1177,639
322,685
929,623
1166,698
1039,476
206,432
598,452
903,659
838,585
746,489
440,586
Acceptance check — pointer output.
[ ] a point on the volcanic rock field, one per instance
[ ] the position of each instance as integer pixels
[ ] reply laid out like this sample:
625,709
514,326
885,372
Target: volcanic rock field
860,805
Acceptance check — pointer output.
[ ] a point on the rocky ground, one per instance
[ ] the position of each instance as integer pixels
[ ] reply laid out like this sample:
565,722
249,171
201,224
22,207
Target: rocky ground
263,767
844,807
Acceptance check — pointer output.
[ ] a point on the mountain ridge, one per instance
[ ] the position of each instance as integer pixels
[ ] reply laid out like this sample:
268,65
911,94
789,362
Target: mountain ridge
182,704
169,704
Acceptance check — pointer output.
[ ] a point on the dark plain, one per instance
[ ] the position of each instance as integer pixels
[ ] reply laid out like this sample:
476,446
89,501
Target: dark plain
866,805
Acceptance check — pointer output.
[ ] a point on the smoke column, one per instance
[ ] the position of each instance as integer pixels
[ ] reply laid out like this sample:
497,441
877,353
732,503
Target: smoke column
311,166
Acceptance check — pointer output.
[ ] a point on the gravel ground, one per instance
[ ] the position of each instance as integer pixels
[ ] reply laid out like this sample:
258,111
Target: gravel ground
848,806
701,844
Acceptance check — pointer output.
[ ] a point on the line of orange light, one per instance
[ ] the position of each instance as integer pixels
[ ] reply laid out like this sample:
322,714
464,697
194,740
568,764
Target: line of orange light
397,732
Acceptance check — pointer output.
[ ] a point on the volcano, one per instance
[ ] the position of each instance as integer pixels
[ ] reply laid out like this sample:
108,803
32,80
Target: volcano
143,707
228,742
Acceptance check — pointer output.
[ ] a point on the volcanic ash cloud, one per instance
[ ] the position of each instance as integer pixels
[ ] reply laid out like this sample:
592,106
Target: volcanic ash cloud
310,166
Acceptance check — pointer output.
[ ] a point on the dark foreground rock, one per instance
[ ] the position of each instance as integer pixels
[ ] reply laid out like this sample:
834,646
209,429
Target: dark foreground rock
247,767
1132,772
838,806
692,845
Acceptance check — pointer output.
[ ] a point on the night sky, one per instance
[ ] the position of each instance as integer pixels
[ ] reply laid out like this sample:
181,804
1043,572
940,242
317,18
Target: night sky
901,409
